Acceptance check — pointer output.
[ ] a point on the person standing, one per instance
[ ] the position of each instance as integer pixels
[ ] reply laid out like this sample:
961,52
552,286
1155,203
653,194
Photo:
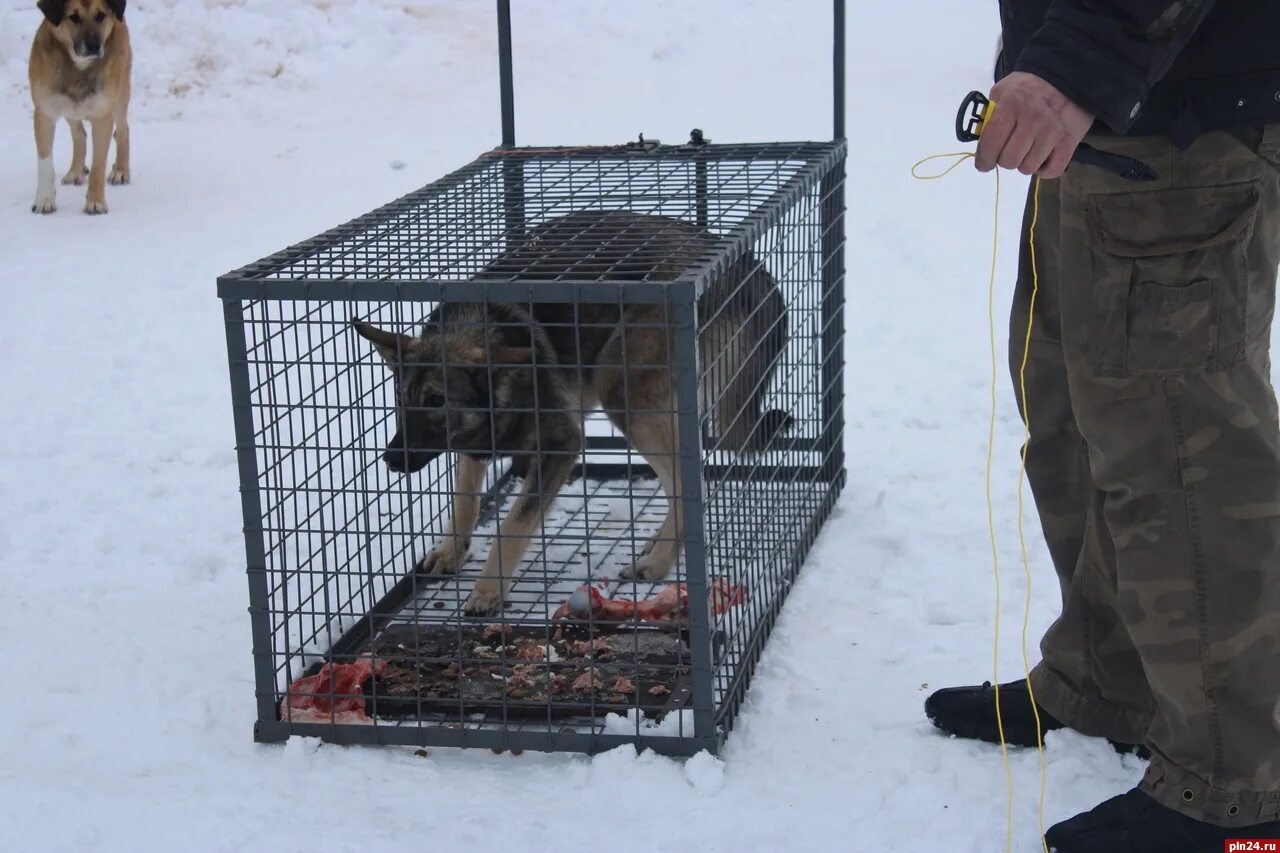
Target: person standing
1154,455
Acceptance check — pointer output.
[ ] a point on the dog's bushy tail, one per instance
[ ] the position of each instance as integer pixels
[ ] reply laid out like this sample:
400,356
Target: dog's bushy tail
742,341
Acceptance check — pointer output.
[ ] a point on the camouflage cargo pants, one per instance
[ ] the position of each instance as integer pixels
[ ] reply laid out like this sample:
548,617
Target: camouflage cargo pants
1155,463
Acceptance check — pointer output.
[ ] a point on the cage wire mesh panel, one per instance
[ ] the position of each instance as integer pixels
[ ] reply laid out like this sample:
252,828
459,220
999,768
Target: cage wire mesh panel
530,457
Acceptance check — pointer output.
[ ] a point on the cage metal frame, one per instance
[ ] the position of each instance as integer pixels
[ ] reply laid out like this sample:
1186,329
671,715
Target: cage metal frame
270,280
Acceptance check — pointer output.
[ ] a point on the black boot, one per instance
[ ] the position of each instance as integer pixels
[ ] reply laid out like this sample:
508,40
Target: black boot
970,712
1135,823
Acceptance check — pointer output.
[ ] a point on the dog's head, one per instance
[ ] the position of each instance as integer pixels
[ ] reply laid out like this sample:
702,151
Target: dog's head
446,382
83,26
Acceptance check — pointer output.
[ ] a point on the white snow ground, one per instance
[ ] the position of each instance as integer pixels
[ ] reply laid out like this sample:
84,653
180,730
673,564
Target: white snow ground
128,701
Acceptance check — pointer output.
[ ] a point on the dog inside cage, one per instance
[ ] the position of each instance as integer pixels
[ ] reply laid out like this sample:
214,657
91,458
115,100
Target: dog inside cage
532,455
502,381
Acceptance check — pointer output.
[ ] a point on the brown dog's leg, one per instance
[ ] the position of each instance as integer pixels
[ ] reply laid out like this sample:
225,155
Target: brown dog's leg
96,200
451,552
76,175
46,192
120,171
655,437
541,485
639,398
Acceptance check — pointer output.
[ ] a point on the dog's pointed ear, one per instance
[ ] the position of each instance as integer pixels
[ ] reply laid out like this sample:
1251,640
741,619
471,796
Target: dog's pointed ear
54,10
389,345
117,6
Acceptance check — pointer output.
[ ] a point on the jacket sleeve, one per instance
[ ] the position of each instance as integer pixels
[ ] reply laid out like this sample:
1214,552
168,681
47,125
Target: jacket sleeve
1107,54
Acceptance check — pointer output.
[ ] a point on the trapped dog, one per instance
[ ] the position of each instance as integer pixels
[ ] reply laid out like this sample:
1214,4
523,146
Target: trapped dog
80,69
487,381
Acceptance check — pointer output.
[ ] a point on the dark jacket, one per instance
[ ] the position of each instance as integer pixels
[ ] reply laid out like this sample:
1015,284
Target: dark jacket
1152,67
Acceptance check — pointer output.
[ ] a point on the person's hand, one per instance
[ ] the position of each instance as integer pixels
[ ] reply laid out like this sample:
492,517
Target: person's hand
1034,129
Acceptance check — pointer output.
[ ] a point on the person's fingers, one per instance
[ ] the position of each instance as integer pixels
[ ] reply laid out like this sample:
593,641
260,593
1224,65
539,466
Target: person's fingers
1036,158
1016,149
994,136
1057,162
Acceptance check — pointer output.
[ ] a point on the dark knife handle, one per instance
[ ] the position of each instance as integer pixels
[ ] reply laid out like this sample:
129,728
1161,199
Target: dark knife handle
1117,164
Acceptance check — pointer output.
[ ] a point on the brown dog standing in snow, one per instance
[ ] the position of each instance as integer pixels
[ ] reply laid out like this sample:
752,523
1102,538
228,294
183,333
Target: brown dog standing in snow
80,68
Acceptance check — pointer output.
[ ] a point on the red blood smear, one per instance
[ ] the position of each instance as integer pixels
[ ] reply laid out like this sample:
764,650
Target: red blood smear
589,603
335,694
724,595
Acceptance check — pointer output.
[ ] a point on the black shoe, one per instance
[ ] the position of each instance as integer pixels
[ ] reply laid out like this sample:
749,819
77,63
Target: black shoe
1135,823
970,712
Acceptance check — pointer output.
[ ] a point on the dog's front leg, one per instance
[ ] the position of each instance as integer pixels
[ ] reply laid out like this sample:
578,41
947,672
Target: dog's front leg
96,200
541,485
451,552
46,192
120,171
79,146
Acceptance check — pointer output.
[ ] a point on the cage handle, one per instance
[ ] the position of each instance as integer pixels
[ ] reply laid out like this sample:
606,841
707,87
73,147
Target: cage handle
507,86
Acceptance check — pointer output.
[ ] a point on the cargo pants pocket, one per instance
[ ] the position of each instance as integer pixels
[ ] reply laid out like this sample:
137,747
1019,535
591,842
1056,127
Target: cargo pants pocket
1171,279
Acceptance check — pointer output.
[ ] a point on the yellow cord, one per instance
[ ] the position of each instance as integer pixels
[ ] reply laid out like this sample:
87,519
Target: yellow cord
959,158
1022,475
991,515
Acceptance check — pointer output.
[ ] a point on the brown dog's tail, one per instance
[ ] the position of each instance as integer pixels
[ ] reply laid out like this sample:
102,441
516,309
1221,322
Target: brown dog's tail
741,343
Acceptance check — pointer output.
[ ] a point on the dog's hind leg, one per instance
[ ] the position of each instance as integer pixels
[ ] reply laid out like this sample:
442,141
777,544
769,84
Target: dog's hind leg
451,552
46,192
654,435
78,172
636,389
547,474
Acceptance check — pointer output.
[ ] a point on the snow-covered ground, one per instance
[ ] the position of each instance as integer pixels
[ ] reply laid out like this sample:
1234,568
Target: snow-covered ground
128,699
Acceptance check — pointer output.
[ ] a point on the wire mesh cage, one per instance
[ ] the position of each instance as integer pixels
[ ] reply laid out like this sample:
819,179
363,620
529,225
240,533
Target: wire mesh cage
530,457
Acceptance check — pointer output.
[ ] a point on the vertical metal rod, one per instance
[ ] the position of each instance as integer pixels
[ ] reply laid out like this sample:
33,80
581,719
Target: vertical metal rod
700,187
684,317
512,170
837,69
513,201
266,728
504,74
832,206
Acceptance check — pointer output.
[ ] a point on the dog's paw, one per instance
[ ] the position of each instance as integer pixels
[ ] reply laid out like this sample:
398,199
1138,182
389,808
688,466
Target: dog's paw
95,207
444,559
649,567
44,204
75,178
118,176
485,600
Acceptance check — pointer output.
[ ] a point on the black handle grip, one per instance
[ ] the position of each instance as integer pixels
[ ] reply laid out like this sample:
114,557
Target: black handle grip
1117,164
970,116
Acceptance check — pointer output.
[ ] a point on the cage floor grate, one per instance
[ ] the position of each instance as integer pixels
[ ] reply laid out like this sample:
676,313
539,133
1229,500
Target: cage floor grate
594,530
589,536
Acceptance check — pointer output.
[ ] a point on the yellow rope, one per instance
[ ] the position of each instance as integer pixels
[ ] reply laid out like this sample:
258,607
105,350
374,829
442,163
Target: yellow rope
991,514
1022,475
959,158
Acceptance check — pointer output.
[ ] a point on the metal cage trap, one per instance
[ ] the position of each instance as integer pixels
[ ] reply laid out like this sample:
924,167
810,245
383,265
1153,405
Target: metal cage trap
530,457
